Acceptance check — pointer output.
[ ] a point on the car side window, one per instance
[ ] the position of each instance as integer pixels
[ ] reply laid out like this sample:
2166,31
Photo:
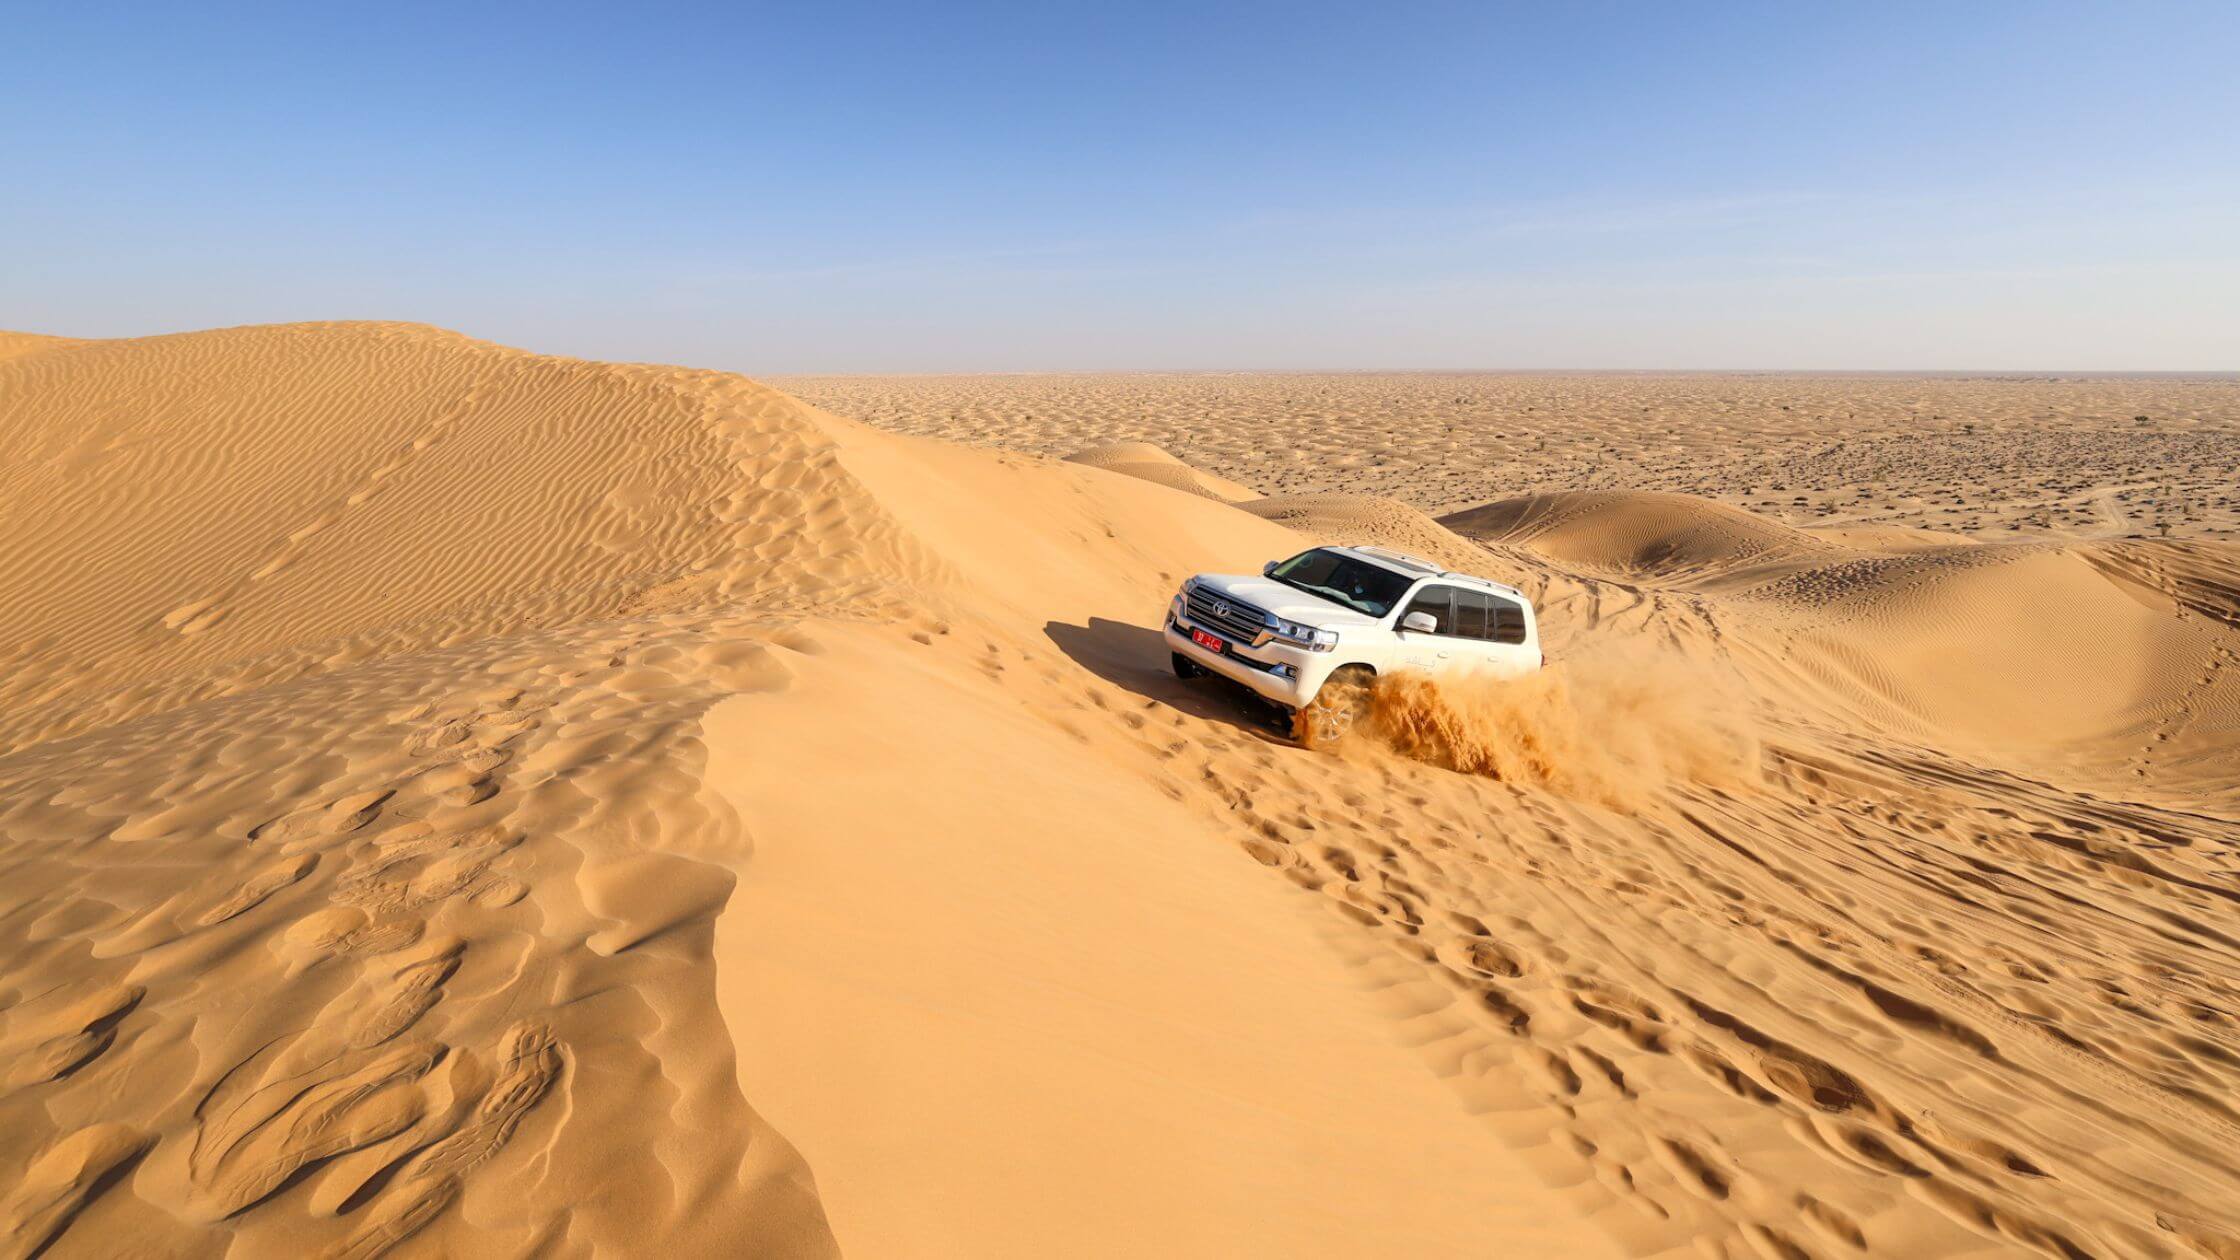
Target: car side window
1471,615
1507,621
1439,602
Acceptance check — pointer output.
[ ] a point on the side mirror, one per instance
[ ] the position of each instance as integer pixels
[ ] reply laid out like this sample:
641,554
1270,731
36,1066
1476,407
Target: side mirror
1269,569
1420,622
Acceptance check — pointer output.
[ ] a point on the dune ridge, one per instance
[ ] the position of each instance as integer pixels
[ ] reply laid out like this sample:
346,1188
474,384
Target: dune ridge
456,799
1147,462
15,344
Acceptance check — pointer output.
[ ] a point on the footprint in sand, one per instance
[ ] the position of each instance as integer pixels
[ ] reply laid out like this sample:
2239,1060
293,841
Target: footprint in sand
257,887
60,1181
52,1036
529,1061
248,1144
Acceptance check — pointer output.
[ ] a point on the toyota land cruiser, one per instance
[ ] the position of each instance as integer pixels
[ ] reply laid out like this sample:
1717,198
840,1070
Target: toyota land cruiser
1311,632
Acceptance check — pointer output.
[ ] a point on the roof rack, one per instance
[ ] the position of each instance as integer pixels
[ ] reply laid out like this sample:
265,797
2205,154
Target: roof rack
1417,562
1401,557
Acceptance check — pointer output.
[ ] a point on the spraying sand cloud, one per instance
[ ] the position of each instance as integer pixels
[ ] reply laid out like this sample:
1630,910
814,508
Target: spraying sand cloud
1612,726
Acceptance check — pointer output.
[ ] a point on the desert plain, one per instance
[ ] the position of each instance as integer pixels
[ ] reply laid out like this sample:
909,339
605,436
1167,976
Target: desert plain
461,801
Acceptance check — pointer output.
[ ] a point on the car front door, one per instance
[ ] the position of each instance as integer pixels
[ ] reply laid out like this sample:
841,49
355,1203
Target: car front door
1428,652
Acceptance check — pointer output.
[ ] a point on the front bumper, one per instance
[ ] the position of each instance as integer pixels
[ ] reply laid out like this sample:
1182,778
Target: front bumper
1276,671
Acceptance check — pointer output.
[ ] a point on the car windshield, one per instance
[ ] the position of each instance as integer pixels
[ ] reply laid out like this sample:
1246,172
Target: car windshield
1363,587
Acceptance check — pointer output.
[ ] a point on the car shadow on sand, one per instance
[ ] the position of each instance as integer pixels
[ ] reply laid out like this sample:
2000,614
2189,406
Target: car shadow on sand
1136,658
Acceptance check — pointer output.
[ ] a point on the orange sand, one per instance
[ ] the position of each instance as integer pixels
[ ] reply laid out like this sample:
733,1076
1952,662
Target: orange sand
457,801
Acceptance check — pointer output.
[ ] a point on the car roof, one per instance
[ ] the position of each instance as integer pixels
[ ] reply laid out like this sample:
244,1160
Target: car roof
1415,567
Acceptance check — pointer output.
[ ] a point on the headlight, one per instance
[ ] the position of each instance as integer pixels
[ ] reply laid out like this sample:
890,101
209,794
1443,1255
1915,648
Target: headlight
1304,636
1175,608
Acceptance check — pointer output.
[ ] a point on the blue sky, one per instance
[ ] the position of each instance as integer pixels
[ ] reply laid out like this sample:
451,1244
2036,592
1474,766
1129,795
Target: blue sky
917,187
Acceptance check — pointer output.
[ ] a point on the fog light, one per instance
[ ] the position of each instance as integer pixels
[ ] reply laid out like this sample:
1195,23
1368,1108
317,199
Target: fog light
1285,671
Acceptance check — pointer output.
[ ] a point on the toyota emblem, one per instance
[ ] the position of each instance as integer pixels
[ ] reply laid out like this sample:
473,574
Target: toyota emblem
1221,608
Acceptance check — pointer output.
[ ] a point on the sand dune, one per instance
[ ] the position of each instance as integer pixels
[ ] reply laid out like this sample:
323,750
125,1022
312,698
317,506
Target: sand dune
2061,658
1149,463
459,801
1635,533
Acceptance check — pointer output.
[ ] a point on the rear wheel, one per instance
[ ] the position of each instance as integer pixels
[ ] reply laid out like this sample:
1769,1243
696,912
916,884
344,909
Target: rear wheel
1184,667
1336,709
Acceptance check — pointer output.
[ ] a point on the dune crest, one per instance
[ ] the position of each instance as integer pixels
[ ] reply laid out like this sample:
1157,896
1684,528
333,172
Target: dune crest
16,344
1149,463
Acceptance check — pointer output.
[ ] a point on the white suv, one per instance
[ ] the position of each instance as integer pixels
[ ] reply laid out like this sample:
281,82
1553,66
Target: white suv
1311,631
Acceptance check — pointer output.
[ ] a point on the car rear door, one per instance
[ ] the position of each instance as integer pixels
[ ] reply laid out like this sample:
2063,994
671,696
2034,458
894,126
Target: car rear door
1473,622
1507,632
1489,633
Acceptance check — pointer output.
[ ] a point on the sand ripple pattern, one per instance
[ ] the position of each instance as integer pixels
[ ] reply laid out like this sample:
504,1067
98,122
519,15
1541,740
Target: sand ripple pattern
359,869
260,510
355,875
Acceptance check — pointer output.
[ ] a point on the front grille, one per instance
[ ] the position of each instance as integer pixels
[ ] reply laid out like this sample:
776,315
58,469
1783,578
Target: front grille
1242,622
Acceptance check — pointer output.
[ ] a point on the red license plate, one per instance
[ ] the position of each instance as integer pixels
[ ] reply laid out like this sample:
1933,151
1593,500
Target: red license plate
1210,642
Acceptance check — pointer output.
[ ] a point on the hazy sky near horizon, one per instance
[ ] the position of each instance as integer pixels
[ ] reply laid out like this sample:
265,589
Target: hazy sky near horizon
810,188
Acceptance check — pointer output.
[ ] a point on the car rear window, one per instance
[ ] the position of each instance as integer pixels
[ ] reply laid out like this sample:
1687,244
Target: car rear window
1468,614
1508,620
1471,615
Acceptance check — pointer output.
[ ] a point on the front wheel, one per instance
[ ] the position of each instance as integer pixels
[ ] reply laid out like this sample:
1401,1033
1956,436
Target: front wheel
1184,667
1336,709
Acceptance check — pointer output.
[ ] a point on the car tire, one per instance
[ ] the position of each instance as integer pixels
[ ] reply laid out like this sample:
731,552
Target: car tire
1336,709
1184,667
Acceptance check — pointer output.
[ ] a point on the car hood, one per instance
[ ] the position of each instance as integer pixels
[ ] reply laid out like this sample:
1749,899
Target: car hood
1287,602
